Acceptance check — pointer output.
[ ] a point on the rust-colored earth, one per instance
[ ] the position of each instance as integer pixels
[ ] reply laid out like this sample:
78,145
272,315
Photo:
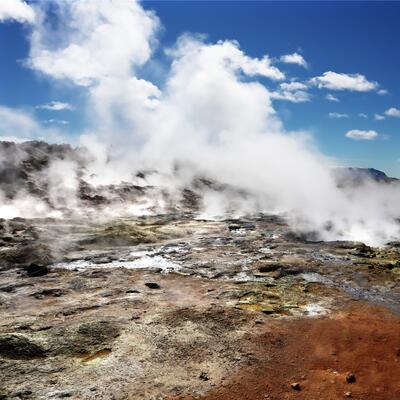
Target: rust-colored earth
319,354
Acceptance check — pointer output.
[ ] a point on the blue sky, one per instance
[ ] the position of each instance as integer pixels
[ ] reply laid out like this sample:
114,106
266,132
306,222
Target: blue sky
343,37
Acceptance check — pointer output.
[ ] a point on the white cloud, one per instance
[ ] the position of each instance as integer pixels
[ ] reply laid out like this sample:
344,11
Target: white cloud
357,134
362,115
293,97
338,115
251,66
334,81
229,52
392,112
56,106
292,86
294,92
378,117
16,10
56,121
331,97
19,125
294,58
382,91
17,122
99,39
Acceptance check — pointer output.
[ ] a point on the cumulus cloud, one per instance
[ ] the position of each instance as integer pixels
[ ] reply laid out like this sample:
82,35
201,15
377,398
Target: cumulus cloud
335,81
393,112
362,115
293,86
331,97
95,40
250,66
294,58
56,106
16,10
228,51
379,117
382,91
294,97
338,115
294,92
357,134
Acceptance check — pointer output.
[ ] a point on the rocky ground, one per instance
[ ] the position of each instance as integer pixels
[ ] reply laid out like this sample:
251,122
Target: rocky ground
174,307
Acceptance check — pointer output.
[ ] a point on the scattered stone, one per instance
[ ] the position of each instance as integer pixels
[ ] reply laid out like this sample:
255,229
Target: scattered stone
364,251
295,386
78,284
107,293
54,292
8,288
60,394
347,394
132,291
19,346
4,395
153,285
268,310
96,332
204,376
24,394
287,271
269,267
34,270
135,316
350,378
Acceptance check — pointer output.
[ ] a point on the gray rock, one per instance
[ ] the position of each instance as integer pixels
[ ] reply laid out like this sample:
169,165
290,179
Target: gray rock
19,346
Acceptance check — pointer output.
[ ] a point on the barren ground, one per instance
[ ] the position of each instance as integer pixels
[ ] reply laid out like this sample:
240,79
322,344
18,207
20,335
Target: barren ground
171,307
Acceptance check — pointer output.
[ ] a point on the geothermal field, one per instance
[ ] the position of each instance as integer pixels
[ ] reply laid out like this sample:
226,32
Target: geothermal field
163,301
193,203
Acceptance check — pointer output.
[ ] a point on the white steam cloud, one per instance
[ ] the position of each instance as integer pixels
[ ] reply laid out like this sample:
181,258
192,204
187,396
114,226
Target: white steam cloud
211,117
16,10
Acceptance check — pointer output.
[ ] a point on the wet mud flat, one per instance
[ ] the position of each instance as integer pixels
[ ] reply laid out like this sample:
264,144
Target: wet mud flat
173,307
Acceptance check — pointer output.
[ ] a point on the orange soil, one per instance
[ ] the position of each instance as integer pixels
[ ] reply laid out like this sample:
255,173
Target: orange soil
318,353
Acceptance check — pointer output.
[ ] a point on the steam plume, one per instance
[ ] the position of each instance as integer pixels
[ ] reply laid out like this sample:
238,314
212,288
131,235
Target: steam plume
211,116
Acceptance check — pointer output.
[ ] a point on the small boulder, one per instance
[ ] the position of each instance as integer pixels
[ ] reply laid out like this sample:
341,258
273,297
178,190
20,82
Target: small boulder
96,332
50,292
33,270
19,346
269,267
204,376
153,285
350,378
295,386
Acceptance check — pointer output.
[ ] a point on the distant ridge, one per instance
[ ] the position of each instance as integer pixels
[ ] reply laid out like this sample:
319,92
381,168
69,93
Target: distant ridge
351,175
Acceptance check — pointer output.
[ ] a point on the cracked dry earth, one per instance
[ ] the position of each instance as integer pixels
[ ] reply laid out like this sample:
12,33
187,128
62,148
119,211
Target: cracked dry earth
171,307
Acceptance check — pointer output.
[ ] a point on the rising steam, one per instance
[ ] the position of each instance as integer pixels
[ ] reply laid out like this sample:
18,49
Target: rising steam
209,117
